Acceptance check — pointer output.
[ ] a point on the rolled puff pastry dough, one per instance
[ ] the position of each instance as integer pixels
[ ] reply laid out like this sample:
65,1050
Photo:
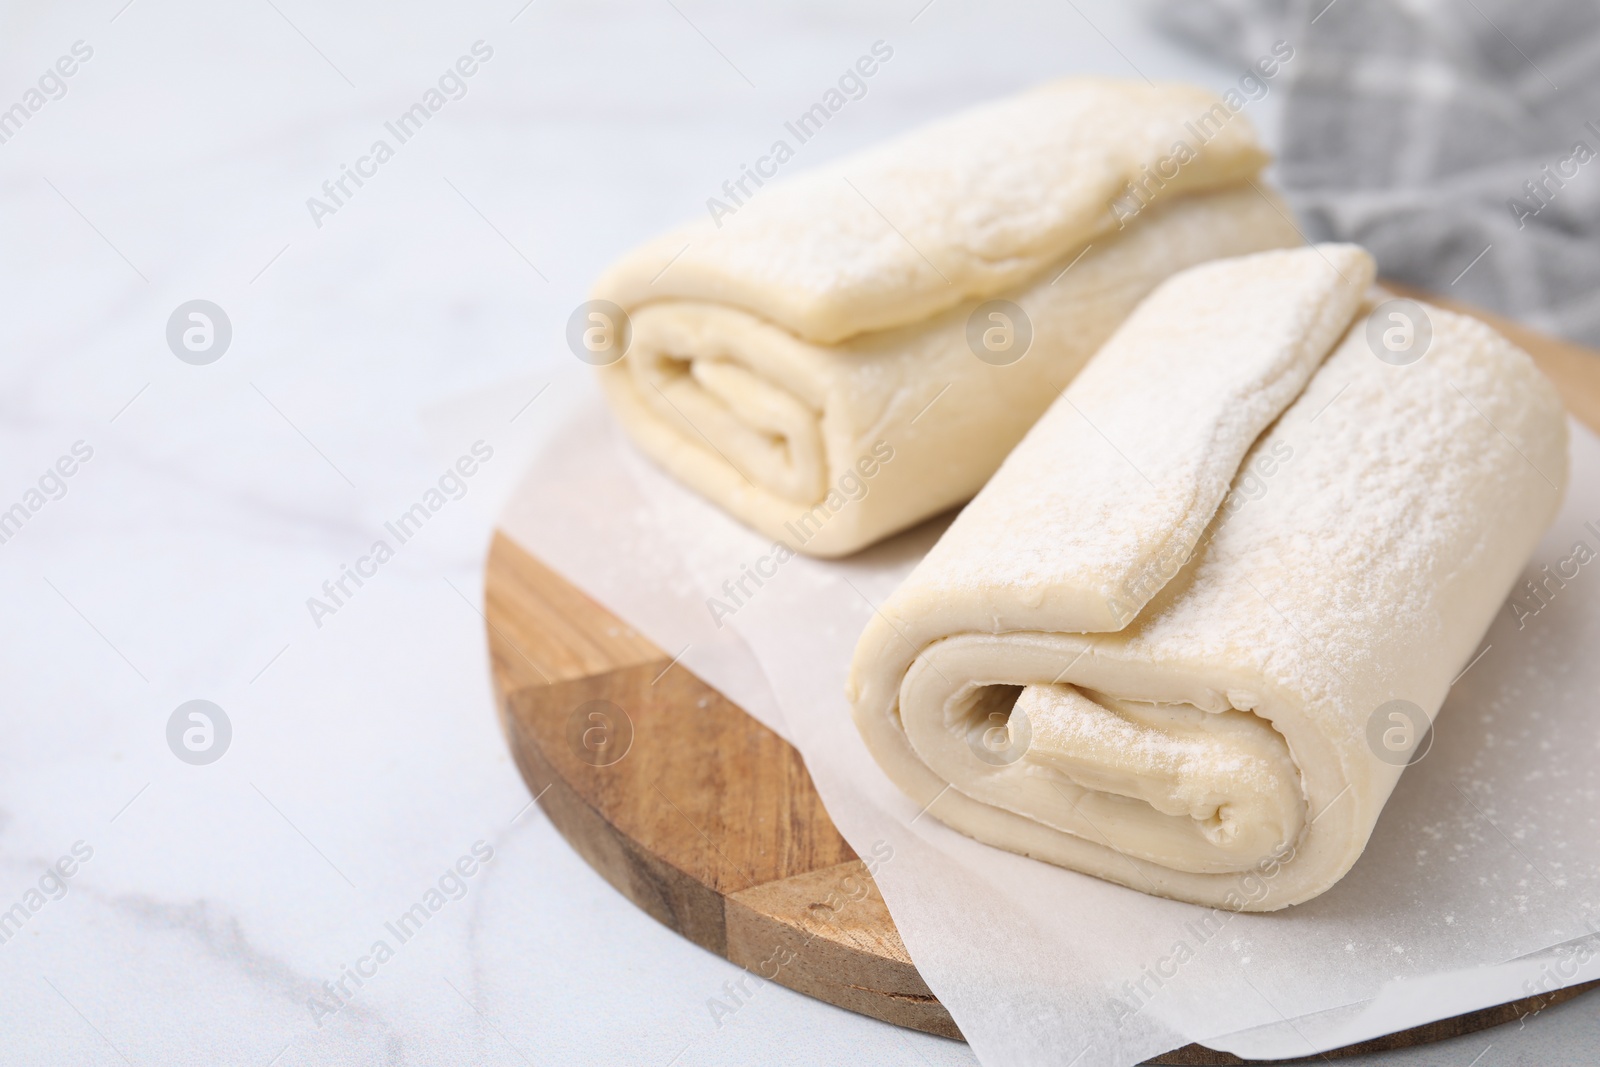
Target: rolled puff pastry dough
806,365
1150,648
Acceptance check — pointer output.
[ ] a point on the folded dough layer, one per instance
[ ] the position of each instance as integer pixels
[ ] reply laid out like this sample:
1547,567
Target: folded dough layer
1114,662
807,365
965,207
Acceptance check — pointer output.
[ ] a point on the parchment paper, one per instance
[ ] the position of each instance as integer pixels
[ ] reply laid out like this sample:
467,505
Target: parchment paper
1480,885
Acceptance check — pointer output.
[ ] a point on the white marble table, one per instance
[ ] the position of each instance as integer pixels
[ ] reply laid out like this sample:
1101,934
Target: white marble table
229,911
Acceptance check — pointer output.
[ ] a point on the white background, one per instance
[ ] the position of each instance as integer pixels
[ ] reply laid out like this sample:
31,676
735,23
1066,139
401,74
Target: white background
365,757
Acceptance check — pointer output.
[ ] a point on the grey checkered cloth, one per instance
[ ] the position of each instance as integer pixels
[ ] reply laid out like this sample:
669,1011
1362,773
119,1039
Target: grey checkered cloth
1413,127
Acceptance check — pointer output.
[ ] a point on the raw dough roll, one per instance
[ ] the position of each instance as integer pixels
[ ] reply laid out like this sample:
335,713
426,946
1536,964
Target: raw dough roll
806,363
1115,662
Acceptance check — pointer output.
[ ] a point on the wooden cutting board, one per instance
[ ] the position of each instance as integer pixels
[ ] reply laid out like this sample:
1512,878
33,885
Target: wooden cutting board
709,822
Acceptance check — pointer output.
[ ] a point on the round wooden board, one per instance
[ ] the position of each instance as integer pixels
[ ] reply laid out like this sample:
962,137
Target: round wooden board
709,822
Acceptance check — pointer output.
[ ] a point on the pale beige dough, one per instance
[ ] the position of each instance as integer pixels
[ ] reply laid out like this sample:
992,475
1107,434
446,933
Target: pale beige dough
1112,662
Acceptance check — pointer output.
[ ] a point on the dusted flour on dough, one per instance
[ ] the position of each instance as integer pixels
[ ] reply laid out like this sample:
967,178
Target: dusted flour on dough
1370,533
1134,486
964,207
